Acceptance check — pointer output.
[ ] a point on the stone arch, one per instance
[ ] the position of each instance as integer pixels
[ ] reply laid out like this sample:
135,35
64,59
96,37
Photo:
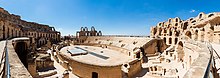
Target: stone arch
185,25
92,28
189,34
177,33
201,15
180,51
196,35
176,40
81,29
176,19
210,15
86,29
100,33
170,20
170,32
164,39
202,35
170,40
165,31
176,24
154,31
21,50
95,75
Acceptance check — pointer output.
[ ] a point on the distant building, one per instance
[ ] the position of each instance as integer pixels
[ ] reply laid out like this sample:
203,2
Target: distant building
85,32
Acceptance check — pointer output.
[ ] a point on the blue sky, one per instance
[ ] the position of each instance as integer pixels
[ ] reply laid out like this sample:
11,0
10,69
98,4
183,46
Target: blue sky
116,17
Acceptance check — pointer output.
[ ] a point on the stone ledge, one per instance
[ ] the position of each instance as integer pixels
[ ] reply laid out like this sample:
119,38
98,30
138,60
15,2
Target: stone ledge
17,69
199,66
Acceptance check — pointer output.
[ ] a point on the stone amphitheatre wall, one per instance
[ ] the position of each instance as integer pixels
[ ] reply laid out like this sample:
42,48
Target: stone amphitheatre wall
200,62
127,45
134,66
154,46
12,26
17,69
188,37
204,27
85,69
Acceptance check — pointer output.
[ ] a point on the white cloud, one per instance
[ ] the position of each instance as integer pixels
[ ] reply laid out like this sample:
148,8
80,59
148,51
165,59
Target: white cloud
192,11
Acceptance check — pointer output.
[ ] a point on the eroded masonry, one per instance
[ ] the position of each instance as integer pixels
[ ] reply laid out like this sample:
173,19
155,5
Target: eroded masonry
174,49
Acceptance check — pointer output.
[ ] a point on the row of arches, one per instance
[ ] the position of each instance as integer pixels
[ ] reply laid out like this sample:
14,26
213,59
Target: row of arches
86,29
84,32
9,31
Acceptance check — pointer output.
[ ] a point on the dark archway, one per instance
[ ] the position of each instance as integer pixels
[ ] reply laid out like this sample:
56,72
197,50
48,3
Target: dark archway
200,16
138,55
189,34
95,75
21,50
145,58
180,51
176,40
164,39
196,35
185,25
170,40
170,33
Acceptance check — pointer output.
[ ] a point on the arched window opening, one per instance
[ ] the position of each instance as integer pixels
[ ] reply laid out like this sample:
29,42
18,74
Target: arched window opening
185,25
189,34
196,35
200,16
180,51
176,40
176,24
95,75
170,40
164,39
210,15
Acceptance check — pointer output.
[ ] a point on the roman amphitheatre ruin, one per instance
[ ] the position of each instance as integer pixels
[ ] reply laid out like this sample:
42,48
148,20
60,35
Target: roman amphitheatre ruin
175,49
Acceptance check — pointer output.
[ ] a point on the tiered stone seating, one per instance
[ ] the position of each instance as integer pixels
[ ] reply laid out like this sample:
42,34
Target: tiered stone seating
123,44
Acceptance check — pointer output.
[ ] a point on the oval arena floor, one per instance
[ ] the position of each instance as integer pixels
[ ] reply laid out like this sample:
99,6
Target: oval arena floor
96,55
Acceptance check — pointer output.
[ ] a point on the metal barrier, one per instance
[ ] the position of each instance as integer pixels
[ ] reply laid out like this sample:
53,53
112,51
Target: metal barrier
5,72
7,65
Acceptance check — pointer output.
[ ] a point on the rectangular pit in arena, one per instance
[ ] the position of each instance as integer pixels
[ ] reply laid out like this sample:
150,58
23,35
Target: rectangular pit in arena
76,51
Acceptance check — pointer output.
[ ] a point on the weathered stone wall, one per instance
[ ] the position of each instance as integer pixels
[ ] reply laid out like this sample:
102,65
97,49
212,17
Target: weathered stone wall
85,70
154,46
135,67
16,65
12,26
201,63
126,45
204,27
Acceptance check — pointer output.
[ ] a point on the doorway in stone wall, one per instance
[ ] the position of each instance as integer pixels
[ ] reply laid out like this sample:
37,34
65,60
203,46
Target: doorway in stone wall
180,51
145,58
95,75
21,50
